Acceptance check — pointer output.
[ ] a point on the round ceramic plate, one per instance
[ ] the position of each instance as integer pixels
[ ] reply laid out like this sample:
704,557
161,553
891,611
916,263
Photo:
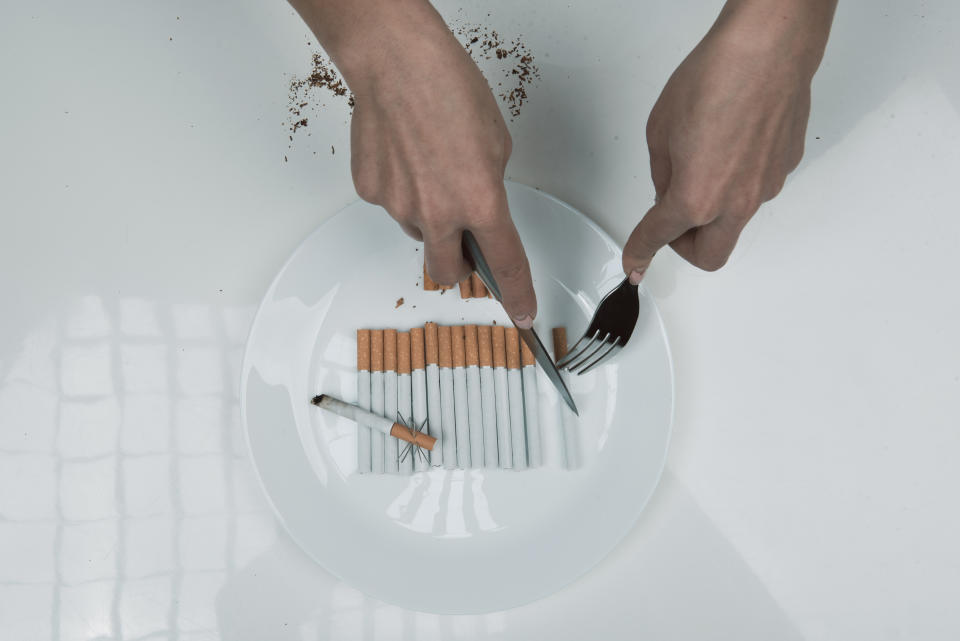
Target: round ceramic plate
448,540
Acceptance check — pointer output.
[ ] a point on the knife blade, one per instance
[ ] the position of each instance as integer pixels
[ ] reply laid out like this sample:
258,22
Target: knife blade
471,250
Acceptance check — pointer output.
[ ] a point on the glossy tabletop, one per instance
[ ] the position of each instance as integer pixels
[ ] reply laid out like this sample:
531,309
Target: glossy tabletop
149,193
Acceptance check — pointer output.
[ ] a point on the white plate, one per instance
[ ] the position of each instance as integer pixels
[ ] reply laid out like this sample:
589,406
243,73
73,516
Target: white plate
449,541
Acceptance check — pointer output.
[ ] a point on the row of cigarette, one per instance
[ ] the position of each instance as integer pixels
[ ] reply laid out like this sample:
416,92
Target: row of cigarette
470,287
472,387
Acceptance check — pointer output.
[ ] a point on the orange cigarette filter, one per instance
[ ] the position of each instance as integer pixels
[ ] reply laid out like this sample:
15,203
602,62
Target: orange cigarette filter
459,347
471,345
431,341
363,350
479,289
499,346
526,356
404,433
389,350
485,346
403,352
466,290
445,344
513,347
417,356
376,350
559,342
428,283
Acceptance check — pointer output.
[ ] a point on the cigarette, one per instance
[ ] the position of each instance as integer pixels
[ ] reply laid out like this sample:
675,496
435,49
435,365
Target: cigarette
448,417
504,439
474,396
404,396
488,398
419,381
570,436
376,398
531,402
434,409
466,291
460,407
428,283
515,387
390,450
479,289
381,425
363,399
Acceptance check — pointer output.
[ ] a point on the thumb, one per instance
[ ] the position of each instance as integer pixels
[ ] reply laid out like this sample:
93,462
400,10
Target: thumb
660,225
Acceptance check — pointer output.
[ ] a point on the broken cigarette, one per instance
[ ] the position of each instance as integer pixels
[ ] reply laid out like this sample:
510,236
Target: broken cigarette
504,438
531,401
428,283
383,426
466,291
460,408
448,416
569,439
376,398
434,408
488,398
404,396
363,399
479,290
419,383
474,395
390,450
515,386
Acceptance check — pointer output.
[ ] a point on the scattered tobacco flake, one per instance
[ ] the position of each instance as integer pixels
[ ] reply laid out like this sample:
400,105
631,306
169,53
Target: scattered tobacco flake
399,302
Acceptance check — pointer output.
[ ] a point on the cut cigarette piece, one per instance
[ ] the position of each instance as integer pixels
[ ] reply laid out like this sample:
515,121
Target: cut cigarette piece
570,436
428,283
363,399
531,406
382,425
515,389
390,449
434,410
418,377
466,291
501,387
488,399
404,399
479,289
377,442
448,417
460,398
474,396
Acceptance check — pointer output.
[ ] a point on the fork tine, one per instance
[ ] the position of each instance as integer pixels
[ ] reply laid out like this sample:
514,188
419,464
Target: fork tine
565,361
587,357
610,351
574,348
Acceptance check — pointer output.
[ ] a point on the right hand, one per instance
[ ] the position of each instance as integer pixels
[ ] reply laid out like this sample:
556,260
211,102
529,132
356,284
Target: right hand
428,144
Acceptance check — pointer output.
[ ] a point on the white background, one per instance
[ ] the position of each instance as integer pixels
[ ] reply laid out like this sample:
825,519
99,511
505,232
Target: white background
811,487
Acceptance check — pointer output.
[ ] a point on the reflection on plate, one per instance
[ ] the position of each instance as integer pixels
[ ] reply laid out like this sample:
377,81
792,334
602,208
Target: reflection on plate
450,541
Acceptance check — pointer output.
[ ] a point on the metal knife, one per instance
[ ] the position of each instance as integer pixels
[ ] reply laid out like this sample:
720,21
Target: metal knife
471,250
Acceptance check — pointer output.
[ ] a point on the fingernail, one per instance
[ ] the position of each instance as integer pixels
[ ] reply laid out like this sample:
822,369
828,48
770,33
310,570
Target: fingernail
637,275
523,322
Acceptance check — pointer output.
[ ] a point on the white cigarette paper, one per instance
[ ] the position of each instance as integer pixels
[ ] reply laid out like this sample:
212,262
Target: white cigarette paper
434,408
460,398
363,431
488,399
448,417
390,450
376,407
515,386
531,402
419,383
504,438
474,407
404,402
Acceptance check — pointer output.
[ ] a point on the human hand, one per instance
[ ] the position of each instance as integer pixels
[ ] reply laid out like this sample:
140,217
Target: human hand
728,128
428,142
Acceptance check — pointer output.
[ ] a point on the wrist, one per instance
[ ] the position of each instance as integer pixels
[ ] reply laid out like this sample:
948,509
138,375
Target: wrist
792,31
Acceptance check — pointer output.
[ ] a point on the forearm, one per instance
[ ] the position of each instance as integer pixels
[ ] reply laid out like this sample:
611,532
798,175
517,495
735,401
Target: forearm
798,28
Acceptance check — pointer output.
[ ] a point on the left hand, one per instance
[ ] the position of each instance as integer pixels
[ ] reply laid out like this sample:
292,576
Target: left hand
727,129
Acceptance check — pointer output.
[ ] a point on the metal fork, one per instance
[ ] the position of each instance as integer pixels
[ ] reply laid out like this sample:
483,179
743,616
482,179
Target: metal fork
609,330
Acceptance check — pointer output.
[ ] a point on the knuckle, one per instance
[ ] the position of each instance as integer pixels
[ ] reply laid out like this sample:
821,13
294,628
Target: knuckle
697,206
512,271
711,262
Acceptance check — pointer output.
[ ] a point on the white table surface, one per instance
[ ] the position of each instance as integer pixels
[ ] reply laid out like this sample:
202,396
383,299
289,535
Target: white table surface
811,487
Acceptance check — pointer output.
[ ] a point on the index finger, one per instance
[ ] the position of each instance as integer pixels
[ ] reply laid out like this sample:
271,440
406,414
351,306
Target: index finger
501,246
